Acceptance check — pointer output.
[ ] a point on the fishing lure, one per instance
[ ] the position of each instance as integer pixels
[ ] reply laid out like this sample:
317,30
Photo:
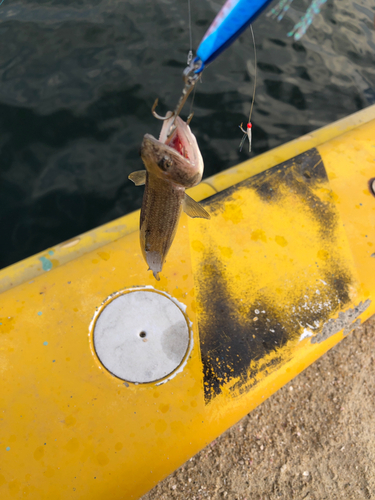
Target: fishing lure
232,20
301,27
247,133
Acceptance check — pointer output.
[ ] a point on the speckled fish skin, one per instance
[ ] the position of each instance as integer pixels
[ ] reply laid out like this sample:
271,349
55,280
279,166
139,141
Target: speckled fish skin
168,174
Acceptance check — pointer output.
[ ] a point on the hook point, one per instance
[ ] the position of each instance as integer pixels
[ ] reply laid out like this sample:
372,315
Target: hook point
157,116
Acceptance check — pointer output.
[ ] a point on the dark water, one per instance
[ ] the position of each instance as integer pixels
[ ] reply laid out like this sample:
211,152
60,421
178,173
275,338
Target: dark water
78,79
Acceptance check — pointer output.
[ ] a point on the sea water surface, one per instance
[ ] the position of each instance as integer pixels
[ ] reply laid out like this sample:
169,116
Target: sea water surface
78,79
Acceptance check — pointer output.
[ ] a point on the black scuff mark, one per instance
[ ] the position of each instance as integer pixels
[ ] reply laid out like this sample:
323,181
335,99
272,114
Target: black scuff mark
339,279
299,176
306,168
234,336
231,340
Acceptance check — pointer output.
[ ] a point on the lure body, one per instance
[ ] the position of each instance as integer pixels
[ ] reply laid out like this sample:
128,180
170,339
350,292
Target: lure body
232,20
246,133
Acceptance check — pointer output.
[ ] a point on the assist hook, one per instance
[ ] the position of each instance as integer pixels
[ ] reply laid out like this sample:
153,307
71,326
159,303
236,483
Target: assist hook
156,115
190,76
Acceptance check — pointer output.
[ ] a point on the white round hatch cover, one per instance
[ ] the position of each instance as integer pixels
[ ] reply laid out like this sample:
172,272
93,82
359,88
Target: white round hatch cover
141,335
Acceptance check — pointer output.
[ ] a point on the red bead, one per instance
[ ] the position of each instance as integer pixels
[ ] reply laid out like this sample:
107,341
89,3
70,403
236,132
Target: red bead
249,125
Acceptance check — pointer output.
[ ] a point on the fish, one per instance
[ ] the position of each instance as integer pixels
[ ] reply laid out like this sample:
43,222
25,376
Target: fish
173,163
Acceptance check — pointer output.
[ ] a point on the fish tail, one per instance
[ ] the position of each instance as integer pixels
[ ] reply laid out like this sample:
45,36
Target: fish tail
156,275
154,261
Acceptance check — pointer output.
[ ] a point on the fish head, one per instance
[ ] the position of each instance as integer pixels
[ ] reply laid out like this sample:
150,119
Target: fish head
176,158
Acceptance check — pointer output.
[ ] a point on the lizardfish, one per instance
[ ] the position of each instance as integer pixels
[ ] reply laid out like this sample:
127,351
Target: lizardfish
172,164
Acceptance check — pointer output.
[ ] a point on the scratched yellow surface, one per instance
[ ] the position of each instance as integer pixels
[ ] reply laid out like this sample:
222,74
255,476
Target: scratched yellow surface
350,163
69,429
279,248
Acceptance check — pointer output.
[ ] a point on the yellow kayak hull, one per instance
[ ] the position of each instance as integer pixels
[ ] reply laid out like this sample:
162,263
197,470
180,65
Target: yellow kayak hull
281,273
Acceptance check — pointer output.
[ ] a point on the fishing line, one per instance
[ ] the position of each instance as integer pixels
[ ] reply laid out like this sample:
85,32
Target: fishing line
255,74
189,59
247,132
192,102
190,53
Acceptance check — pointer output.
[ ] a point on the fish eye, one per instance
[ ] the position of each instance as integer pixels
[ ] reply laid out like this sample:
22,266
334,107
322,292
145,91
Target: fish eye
165,162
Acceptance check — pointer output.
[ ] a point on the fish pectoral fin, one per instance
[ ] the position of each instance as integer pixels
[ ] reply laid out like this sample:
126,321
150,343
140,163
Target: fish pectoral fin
193,209
138,177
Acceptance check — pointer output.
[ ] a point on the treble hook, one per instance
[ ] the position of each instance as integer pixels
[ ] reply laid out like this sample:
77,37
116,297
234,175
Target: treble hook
155,114
190,76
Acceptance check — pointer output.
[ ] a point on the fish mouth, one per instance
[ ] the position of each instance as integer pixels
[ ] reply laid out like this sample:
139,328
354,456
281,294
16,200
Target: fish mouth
183,141
175,159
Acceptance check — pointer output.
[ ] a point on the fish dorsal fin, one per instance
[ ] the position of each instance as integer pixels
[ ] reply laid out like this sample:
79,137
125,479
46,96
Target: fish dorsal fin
194,209
138,177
